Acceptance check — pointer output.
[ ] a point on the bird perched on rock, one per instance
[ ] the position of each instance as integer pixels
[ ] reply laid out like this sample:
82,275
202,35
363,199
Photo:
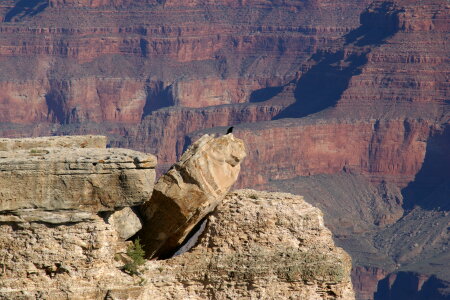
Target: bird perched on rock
230,130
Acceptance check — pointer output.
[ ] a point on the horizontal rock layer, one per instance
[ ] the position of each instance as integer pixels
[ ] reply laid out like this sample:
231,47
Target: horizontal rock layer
81,179
62,180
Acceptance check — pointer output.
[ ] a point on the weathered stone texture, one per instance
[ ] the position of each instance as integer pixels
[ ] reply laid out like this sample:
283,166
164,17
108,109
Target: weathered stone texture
126,222
55,193
190,190
86,179
257,245
82,141
63,261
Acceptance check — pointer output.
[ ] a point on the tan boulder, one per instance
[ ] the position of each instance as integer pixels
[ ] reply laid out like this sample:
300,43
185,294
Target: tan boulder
190,190
126,222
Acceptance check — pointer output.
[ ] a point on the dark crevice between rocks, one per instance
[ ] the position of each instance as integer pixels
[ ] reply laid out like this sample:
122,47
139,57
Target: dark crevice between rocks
105,215
190,241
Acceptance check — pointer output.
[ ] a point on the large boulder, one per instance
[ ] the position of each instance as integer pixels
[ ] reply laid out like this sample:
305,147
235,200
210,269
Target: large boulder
190,190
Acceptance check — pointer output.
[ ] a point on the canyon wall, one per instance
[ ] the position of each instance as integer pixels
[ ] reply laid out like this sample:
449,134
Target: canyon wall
320,88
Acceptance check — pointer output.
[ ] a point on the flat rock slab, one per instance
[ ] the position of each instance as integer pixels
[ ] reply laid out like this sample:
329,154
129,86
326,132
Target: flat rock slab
81,179
79,141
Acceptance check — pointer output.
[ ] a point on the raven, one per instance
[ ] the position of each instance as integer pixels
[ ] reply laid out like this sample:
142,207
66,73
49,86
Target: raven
230,130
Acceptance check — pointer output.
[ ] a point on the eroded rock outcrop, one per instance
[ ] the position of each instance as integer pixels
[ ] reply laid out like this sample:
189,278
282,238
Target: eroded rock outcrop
78,179
257,245
56,194
190,190
66,70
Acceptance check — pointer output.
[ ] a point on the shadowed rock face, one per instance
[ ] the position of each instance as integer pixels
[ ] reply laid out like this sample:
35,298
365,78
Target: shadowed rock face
190,190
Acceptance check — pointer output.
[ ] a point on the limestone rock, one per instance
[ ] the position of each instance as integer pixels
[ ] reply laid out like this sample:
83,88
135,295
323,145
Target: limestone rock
190,190
126,222
84,179
82,141
61,261
257,245
55,194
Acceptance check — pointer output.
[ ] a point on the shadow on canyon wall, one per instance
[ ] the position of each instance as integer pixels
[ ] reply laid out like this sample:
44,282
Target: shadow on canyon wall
431,187
322,86
265,94
408,286
25,8
157,96
56,102
376,26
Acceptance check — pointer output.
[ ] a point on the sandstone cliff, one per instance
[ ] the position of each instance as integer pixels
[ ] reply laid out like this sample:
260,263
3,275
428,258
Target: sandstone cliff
63,200
67,209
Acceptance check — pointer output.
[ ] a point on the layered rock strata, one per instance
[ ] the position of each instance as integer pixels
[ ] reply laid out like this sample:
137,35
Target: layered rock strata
56,194
381,86
98,179
190,190
94,62
68,242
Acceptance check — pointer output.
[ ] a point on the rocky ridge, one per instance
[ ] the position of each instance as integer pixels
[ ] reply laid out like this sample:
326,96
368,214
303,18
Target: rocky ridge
69,242
258,245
